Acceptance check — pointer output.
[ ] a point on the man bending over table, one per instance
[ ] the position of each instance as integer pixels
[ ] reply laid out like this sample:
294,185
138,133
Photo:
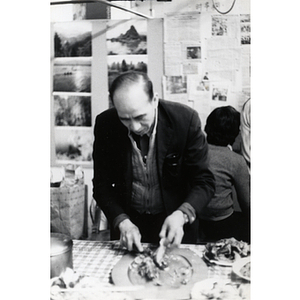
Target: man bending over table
151,174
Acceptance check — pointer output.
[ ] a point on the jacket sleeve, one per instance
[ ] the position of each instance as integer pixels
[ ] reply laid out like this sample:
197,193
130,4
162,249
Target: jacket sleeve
106,189
196,164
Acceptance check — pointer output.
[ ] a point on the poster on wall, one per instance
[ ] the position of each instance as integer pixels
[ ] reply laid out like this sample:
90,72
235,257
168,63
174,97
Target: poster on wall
72,110
72,39
126,38
182,27
72,75
73,145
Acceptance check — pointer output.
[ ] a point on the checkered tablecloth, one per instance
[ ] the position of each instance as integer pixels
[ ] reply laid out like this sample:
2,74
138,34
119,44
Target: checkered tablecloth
97,259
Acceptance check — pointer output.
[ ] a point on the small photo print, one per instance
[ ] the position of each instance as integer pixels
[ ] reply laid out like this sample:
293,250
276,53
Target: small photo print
73,39
176,84
72,110
193,52
245,29
72,75
219,26
219,94
123,63
126,38
73,144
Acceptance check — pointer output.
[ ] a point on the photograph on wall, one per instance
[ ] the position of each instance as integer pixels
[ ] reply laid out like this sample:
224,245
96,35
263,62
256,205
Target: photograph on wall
219,94
219,26
72,110
129,38
72,39
245,29
123,63
176,84
203,84
72,75
73,144
193,52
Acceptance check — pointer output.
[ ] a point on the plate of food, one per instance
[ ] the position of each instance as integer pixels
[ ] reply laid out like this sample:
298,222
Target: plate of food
242,268
226,251
216,289
173,279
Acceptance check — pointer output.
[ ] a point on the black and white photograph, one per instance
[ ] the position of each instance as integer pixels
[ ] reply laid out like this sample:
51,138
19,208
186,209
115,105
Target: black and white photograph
72,39
245,29
126,38
150,126
117,65
72,75
73,145
219,94
193,52
219,26
176,84
70,110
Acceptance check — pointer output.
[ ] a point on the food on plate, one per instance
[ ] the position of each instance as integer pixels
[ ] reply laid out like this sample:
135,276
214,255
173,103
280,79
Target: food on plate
242,267
174,270
246,270
226,250
220,290
72,286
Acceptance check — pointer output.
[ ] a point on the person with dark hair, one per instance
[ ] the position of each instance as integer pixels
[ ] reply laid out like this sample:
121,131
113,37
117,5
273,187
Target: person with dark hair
219,220
151,175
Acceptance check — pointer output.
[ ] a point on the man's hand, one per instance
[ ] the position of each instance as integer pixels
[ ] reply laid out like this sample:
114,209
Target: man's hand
172,229
130,235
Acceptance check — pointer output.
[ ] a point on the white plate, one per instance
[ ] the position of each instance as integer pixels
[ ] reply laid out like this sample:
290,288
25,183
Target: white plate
238,265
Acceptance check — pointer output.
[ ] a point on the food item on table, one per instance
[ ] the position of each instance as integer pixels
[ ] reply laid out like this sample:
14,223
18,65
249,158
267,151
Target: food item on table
220,290
72,286
226,250
173,270
246,270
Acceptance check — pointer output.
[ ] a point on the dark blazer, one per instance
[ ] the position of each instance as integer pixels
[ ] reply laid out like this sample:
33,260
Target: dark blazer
183,170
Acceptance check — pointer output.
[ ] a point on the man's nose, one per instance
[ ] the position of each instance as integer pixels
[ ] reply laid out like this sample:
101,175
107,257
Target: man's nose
135,126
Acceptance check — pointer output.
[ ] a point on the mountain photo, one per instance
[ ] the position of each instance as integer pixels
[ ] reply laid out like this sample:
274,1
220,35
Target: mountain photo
71,40
126,39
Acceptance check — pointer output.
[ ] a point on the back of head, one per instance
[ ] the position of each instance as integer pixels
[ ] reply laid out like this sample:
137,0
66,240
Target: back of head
222,126
129,78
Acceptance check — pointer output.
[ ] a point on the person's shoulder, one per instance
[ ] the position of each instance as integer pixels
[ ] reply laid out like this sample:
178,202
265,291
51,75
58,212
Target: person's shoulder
176,108
108,113
237,158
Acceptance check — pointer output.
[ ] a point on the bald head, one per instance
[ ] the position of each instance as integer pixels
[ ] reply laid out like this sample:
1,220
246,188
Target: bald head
131,78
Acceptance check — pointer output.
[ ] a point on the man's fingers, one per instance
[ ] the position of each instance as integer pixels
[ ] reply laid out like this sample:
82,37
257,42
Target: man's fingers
177,238
137,242
163,231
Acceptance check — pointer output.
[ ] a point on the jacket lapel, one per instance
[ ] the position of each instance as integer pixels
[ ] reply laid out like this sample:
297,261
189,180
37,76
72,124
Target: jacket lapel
164,136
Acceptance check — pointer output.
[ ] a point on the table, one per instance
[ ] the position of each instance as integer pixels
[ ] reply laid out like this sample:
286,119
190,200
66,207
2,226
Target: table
97,259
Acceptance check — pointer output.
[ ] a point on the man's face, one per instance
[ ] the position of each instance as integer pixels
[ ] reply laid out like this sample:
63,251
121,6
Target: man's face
134,109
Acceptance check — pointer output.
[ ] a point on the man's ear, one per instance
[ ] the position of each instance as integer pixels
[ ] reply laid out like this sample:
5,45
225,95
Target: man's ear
155,99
